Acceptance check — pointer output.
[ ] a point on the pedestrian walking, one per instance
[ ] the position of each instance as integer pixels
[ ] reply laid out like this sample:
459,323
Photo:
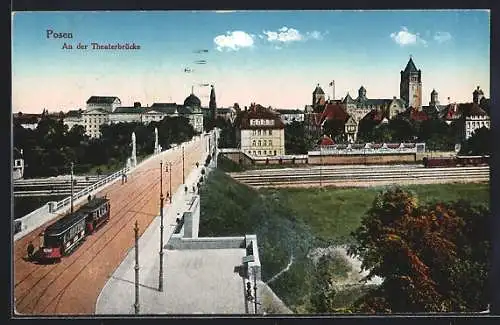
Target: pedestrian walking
197,164
89,198
30,249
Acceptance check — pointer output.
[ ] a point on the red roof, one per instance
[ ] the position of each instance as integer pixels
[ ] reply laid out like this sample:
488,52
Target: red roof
334,112
326,141
417,115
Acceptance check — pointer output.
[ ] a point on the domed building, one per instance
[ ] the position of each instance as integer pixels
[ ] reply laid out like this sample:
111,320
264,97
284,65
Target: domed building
192,110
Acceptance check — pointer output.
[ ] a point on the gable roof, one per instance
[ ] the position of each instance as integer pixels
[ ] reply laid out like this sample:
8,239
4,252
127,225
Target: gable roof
102,99
326,141
167,108
472,109
259,112
290,111
334,112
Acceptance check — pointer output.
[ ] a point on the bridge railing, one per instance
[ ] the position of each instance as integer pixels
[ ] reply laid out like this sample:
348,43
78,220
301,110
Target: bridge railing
61,204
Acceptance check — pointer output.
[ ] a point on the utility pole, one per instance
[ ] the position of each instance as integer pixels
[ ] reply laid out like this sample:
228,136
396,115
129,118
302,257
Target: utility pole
321,166
183,179
160,283
170,181
71,187
255,288
136,305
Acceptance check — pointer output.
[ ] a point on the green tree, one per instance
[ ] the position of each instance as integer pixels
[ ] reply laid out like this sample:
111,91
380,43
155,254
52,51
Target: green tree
424,254
322,287
478,143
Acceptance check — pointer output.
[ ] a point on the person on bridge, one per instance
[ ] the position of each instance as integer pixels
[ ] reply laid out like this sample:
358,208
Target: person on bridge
197,164
30,249
89,198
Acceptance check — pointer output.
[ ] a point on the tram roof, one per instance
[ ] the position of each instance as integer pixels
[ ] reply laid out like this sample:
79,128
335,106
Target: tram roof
94,204
64,223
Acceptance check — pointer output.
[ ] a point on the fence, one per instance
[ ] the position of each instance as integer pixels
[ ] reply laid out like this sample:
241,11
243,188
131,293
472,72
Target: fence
61,204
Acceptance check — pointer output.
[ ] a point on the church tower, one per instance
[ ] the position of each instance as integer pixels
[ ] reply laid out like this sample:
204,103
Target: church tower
212,104
434,98
410,88
318,97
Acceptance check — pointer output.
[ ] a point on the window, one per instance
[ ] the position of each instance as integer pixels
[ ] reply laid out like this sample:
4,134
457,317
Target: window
259,132
260,143
275,152
265,152
265,143
253,143
270,132
270,142
259,153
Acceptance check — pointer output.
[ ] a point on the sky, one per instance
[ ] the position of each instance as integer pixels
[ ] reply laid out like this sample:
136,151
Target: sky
274,58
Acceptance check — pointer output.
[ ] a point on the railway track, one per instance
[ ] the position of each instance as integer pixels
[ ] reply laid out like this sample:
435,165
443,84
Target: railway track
359,174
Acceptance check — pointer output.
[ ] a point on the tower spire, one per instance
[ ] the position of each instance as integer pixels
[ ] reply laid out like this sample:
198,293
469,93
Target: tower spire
192,90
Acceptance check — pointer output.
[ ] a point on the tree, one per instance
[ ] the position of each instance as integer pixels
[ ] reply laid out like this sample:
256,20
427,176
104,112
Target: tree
478,143
424,254
322,289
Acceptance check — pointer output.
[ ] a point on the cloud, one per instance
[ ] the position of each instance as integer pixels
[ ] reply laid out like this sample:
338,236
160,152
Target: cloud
233,41
442,37
404,38
286,35
315,35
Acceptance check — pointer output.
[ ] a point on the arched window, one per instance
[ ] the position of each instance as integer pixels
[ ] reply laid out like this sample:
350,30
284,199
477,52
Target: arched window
260,143
253,143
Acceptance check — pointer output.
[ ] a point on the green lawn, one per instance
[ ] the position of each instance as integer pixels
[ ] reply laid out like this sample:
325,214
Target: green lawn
332,213
296,220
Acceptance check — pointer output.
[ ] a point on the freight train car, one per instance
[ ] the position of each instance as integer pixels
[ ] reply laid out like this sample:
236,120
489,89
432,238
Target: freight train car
457,161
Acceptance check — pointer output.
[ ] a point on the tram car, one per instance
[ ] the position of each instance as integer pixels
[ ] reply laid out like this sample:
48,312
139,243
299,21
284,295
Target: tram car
62,237
97,213
457,161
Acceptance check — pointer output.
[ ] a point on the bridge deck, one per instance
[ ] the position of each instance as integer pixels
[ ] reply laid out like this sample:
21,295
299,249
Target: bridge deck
72,287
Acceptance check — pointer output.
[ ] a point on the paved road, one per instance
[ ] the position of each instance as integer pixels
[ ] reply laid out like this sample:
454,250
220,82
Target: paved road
72,286
195,281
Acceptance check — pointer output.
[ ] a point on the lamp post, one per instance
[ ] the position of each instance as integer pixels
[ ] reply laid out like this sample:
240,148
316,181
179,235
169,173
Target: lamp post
160,277
183,179
71,187
136,304
170,181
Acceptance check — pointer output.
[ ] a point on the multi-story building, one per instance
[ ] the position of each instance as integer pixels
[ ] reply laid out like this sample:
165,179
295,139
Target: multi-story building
103,110
260,132
92,119
106,103
291,115
475,116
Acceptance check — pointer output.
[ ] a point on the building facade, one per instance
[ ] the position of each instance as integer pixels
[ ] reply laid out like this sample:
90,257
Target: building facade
106,103
261,132
291,115
103,110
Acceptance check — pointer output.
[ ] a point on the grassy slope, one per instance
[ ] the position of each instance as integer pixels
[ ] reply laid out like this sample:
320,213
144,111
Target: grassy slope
295,220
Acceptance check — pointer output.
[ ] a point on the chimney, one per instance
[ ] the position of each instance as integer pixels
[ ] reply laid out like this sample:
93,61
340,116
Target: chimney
137,104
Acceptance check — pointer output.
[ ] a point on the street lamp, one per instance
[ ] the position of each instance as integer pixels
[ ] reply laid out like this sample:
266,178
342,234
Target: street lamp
168,169
71,187
160,283
183,179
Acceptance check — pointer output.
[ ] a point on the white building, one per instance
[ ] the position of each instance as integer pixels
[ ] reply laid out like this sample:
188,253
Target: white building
107,103
290,115
93,119
104,110
261,132
18,166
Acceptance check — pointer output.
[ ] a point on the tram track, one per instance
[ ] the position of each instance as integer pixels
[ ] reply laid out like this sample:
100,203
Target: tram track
66,274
